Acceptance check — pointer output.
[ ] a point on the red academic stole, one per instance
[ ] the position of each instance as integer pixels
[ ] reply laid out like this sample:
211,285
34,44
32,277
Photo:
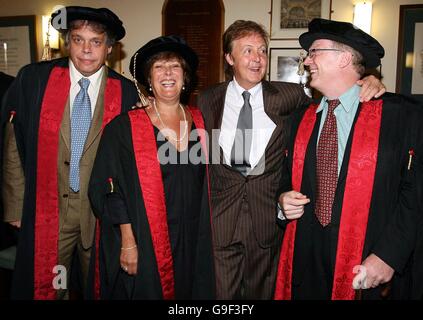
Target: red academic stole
150,177
46,233
355,206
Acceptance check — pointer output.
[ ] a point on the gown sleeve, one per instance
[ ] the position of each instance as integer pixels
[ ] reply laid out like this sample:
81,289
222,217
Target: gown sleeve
105,190
398,241
204,275
13,180
110,195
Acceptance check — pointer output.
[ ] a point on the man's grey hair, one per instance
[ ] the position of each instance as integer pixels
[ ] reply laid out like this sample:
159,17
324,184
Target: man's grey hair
357,57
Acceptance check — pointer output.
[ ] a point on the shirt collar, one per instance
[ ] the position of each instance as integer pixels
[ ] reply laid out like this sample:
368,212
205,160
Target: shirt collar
347,99
75,76
253,91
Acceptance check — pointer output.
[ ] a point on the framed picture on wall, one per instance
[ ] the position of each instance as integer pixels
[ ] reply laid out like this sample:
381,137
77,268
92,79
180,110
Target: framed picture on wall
290,18
17,43
283,66
410,51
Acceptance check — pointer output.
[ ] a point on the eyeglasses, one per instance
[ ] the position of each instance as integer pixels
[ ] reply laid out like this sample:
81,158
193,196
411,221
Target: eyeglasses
312,52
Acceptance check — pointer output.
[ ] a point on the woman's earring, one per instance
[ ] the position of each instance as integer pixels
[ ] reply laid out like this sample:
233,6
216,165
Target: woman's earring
183,88
150,88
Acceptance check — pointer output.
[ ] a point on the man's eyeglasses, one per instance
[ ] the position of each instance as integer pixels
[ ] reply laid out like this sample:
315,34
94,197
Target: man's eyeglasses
312,52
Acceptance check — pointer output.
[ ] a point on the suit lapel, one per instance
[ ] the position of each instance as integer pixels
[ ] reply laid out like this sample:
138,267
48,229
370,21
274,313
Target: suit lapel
97,120
218,106
65,127
271,102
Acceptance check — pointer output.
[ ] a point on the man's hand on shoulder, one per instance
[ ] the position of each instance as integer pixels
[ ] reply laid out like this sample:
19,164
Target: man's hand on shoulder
370,87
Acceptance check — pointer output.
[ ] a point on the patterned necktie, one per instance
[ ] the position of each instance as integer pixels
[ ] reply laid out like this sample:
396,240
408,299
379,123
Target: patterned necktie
80,125
327,166
240,154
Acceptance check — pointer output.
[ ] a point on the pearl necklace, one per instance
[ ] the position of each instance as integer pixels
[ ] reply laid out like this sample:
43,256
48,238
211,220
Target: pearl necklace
166,127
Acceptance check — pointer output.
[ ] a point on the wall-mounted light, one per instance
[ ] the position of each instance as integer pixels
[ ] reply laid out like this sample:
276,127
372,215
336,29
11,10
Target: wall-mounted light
363,16
53,34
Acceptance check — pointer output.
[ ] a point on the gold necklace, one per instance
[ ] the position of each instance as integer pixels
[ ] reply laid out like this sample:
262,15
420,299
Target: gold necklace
166,127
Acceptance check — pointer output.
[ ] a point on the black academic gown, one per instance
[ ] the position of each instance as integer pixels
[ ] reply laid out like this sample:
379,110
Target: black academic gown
25,96
115,158
394,218
5,82
7,234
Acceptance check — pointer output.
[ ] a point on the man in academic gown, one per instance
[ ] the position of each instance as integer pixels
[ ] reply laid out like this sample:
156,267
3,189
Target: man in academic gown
7,232
52,119
243,188
351,206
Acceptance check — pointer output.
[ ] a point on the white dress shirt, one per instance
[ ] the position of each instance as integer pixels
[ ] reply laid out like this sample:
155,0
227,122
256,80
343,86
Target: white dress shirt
263,126
93,88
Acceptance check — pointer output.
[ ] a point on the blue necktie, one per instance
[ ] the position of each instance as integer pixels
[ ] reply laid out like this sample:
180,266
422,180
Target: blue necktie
80,125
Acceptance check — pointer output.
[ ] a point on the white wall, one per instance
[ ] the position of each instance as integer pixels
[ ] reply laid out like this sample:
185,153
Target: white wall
142,19
385,25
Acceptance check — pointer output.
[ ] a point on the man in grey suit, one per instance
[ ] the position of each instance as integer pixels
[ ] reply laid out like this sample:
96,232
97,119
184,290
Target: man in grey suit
245,176
53,115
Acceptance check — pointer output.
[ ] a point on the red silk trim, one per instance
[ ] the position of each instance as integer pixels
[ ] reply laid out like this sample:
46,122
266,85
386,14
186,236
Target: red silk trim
355,206
283,289
112,107
150,177
197,117
357,198
46,233
199,124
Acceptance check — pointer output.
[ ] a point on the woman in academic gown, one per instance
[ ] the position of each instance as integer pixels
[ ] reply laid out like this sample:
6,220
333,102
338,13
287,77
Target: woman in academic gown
149,187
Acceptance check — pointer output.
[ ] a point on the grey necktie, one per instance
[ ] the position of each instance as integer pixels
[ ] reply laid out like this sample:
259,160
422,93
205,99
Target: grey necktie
240,154
80,125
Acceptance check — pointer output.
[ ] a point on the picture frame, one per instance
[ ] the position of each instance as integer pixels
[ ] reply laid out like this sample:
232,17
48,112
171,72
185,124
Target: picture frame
290,18
17,43
283,66
410,51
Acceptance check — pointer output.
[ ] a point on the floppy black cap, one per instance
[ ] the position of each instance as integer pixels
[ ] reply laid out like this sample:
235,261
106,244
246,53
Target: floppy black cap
172,43
101,15
346,33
